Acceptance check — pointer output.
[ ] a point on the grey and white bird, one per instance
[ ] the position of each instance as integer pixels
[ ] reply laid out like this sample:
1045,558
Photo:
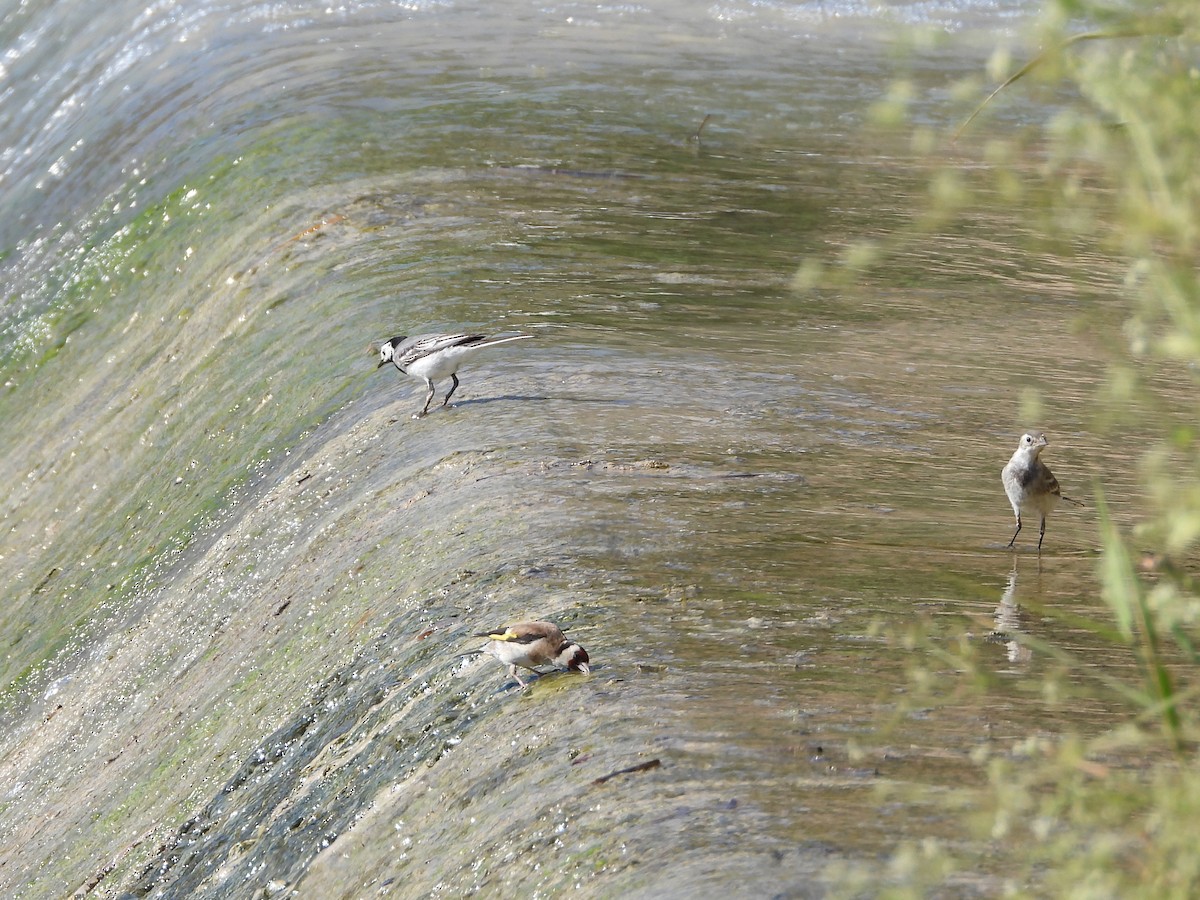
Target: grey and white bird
434,356
1030,484
533,644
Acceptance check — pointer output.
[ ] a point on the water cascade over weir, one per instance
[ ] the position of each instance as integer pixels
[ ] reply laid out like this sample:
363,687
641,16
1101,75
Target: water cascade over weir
239,579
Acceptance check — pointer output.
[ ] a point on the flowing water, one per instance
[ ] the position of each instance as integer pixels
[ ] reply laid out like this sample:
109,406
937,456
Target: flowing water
238,577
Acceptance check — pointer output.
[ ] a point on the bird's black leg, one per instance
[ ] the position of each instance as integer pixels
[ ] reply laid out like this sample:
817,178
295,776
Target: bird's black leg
1041,534
453,388
1015,533
428,399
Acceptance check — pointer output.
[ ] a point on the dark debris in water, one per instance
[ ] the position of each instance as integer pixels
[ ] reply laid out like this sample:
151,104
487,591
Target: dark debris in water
629,770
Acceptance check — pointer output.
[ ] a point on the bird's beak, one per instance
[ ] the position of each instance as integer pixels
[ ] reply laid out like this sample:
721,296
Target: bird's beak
382,363
585,668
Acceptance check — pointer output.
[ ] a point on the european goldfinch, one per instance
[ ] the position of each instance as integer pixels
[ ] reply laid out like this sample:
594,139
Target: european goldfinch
533,644
434,356
1029,483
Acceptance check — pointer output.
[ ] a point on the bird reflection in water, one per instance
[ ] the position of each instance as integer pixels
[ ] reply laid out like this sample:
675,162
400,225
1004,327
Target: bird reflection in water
1009,623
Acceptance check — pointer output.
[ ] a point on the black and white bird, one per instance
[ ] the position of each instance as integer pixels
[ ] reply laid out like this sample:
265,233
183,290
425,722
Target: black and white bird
533,644
434,356
1030,484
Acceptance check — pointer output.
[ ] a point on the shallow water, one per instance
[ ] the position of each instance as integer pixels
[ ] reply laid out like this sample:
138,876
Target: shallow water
239,576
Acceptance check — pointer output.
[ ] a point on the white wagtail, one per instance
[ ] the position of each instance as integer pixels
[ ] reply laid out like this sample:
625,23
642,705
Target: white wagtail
434,356
533,644
1030,483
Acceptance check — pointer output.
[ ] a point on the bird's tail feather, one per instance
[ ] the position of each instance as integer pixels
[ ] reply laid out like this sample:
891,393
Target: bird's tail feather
503,340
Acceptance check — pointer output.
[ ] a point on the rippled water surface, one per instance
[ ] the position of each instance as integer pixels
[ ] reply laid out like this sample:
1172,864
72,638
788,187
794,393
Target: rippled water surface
238,577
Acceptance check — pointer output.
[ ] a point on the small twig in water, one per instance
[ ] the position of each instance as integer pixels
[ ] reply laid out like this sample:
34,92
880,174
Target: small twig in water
324,223
640,767
45,581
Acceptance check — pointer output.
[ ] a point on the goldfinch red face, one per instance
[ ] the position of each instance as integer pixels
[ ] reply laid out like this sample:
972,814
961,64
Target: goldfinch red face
576,659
